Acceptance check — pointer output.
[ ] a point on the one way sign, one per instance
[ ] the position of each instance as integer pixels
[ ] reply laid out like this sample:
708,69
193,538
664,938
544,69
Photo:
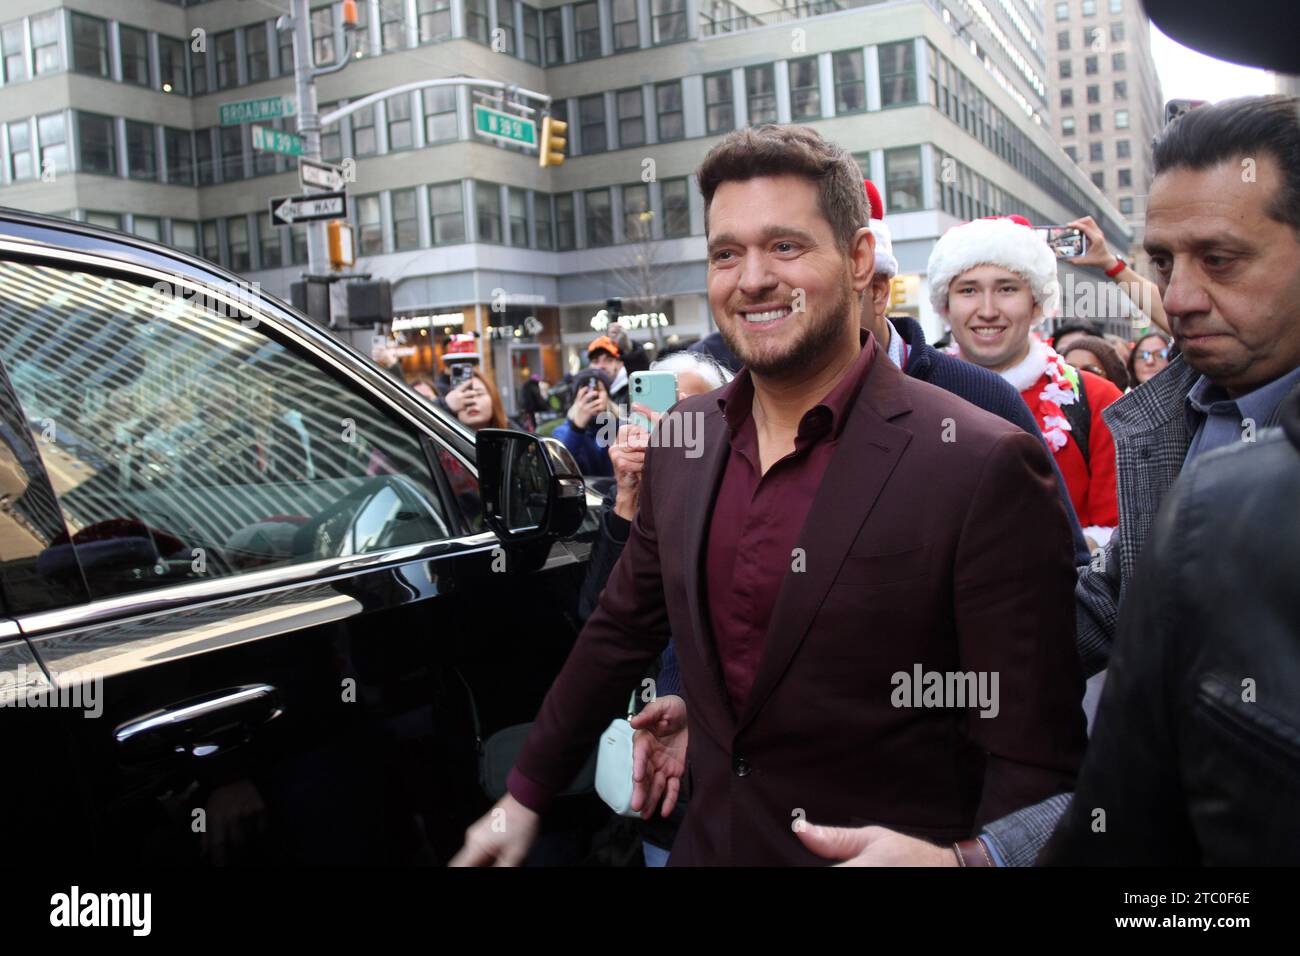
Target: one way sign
287,210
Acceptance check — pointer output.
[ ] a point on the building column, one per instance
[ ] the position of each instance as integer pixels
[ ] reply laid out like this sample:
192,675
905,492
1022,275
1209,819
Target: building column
826,80
871,68
740,102
781,84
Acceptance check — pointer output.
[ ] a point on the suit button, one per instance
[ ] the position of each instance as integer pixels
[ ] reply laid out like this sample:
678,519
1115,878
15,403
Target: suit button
740,766
1145,452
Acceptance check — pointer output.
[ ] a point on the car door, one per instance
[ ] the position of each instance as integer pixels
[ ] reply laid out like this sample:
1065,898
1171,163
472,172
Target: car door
250,576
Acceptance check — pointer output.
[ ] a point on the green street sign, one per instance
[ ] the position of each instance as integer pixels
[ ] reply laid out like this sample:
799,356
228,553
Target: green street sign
504,126
250,111
273,141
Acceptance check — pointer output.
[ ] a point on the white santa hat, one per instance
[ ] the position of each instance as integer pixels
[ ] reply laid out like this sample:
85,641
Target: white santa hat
1007,242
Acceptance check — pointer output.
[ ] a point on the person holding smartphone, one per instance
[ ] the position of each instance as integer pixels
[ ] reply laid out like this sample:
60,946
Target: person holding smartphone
1143,293
581,431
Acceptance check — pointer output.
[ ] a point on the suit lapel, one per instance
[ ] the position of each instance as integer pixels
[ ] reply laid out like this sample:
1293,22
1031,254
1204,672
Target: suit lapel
869,448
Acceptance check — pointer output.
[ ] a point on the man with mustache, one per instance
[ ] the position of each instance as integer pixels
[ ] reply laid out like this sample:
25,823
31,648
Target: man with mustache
846,526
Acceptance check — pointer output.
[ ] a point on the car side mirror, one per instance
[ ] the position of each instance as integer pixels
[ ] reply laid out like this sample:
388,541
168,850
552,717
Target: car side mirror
531,486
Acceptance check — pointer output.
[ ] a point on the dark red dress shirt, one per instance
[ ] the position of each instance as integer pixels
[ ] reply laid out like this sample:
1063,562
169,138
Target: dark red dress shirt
757,519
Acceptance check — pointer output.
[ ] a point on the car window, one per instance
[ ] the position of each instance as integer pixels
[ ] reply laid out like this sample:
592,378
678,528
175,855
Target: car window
184,443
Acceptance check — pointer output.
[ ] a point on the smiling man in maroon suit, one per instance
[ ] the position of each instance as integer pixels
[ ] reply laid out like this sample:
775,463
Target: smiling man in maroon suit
846,531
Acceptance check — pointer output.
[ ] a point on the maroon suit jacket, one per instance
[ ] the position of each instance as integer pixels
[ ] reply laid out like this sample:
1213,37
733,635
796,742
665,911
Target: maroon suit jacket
952,554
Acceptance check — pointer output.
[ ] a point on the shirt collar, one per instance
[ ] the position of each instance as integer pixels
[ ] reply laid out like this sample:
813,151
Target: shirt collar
827,417
1205,398
896,345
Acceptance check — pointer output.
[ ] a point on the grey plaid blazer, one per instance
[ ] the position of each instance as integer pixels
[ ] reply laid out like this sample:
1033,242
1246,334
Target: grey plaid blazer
1149,426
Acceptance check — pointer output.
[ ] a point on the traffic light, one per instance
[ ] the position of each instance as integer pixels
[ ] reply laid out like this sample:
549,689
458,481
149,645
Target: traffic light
553,142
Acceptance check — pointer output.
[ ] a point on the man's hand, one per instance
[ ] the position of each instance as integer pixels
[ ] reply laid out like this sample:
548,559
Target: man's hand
1098,254
873,846
587,406
627,455
658,755
501,837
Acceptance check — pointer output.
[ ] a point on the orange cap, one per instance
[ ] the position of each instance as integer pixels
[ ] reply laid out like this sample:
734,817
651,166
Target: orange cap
606,343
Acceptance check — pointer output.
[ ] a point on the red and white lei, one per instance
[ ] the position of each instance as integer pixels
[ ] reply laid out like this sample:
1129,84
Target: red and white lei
1060,388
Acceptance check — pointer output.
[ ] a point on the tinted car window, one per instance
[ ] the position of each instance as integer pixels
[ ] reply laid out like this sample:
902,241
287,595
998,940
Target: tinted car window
184,443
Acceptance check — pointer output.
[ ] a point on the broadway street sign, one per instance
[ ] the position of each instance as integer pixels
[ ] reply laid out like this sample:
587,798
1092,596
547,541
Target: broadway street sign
287,210
250,111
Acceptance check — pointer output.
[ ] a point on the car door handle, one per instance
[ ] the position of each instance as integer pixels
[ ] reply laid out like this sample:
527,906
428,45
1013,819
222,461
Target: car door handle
201,726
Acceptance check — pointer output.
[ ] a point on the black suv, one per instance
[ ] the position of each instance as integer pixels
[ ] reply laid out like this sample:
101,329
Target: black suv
257,575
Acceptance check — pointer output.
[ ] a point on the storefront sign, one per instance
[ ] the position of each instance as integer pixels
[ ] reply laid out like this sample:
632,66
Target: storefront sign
404,323
641,320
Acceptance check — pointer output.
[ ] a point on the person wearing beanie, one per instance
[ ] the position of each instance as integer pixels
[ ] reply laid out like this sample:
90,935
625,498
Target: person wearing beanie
904,340
994,280
583,430
1089,353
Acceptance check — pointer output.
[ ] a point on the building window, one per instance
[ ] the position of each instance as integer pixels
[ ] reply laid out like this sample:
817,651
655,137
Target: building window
517,213
257,60
185,235
1089,8
263,159
1096,152
446,214
637,216
667,21
1092,39
506,25
805,89
1125,178
1116,6
198,73
903,179
284,48
147,227
1062,11
1122,149
1090,66
268,242
591,114
440,122
553,35
20,151
331,139
205,169
370,225
668,101
1117,32
46,54
322,35
566,235
14,52
897,73
364,140
631,118
600,224
171,66
1067,97
627,35
1121,119
850,82
1099,179
532,35
406,220
1065,69
141,151
179,147
1072,152
98,143
134,45
52,136
476,20
400,133
760,85
1121,89
1063,40
232,153
224,47
89,45
106,220
1126,206
586,30
241,258
211,244
434,23
542,235
719,107
675,194
1094,122
487,203
1118,61
1094,93
1067,125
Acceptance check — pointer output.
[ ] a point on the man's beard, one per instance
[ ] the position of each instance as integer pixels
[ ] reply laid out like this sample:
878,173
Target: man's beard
821,332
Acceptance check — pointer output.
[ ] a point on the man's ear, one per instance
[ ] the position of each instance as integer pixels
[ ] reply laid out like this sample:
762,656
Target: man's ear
862,258
880,293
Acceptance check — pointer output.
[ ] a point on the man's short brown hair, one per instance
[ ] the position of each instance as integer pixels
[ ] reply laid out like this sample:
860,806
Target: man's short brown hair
771,150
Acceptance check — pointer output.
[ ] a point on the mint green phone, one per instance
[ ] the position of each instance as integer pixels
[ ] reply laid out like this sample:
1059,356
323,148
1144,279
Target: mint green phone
657,391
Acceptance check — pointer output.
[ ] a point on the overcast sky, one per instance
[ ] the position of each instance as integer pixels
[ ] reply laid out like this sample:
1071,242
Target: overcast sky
1188,75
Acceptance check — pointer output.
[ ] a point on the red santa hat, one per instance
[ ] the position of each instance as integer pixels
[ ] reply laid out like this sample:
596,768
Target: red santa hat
886,264
1006,241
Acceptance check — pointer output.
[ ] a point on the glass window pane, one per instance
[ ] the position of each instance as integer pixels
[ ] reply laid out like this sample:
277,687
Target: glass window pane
13,50
720,113
760,84
600,224
591,110
98,143
637,217
903,180
677,209
135,55
897,73
447,213
566,235
141,151
487,200
257,62
406,216
667,21
89,44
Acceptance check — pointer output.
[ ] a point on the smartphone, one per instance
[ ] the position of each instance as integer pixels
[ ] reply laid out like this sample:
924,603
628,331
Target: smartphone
657,391
1066,241
460,373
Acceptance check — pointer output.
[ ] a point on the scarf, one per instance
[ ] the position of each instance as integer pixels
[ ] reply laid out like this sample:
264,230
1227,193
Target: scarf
1061,387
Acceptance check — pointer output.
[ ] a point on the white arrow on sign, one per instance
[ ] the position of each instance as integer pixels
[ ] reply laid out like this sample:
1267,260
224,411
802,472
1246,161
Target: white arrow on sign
286,210
320,175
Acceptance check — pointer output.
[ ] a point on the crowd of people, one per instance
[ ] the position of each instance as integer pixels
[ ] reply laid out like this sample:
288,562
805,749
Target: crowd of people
1011,504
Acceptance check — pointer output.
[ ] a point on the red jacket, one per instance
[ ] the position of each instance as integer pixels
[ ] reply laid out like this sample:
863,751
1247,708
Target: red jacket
1091,483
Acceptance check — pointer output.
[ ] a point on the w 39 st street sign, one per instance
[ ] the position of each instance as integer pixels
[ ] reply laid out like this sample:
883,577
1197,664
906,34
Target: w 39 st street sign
287,210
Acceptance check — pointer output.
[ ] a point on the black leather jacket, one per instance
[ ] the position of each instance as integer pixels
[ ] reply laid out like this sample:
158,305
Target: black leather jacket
1195,754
